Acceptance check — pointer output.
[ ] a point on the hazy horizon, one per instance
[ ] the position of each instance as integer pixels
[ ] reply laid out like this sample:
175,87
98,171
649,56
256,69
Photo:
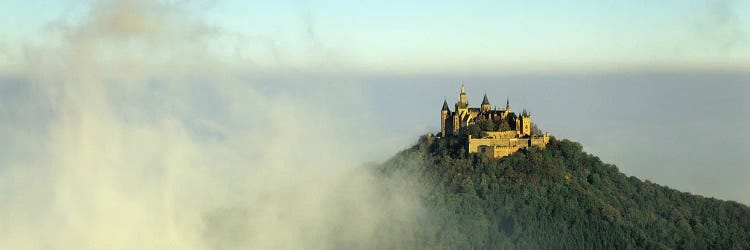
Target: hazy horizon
387,38
165,111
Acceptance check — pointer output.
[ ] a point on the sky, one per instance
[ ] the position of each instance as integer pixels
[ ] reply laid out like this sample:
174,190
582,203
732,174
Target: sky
165,111
686,131
416,37
597,50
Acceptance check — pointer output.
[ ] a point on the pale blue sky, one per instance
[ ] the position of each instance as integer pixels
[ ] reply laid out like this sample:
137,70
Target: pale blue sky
657,87
441,36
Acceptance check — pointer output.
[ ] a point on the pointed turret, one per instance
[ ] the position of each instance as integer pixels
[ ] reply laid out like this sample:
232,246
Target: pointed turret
462,98
485,104
444,118
507,110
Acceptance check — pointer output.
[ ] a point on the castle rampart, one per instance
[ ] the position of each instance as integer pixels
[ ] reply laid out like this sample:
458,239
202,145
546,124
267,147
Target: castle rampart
515,131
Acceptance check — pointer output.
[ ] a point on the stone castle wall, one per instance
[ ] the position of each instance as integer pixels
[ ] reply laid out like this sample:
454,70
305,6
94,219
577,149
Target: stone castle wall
540,140
475,143
499,152
493,144
502,146
500,134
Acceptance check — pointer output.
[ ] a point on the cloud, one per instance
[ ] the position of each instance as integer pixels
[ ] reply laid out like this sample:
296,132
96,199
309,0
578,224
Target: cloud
322,54
722,27
149,142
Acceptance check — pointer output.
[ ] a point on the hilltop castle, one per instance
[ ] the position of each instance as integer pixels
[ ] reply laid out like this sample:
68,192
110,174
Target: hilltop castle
500,132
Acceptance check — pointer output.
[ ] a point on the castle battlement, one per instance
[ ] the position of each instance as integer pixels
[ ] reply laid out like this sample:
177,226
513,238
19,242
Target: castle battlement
501,132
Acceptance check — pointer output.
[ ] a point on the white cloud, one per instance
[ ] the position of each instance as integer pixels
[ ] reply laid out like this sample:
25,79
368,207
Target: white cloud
131,157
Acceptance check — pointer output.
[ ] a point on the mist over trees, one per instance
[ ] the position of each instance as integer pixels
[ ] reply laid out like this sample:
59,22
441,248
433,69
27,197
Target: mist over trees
556,198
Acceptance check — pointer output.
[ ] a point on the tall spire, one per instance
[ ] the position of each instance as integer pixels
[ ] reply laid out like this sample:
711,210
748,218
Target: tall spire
507,103
445,105
462,98
485,101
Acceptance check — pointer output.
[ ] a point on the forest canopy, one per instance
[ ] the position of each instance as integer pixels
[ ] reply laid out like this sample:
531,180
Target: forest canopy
559,197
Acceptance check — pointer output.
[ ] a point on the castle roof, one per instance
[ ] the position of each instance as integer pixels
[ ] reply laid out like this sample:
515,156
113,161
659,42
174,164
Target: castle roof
445,106
485,101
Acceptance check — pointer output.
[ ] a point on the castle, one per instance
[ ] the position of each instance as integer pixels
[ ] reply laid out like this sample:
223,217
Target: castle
497,133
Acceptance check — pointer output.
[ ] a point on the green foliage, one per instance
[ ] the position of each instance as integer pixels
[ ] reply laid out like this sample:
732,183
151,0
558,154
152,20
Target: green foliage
556,198
473,129
486,125
504,126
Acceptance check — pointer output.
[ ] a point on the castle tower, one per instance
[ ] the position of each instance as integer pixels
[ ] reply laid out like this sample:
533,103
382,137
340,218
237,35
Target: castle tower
456,124
507,110
462,98
525,123
485,104
444,118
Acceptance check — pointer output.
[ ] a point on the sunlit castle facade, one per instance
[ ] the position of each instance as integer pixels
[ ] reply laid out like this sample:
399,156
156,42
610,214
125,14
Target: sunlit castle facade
502,132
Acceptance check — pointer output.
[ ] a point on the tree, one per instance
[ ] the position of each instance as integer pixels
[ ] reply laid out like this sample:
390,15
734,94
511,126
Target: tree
535,130
473,129
486,125
504,126
559,197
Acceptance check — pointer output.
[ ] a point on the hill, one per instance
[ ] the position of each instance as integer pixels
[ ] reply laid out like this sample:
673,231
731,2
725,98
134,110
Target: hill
559,197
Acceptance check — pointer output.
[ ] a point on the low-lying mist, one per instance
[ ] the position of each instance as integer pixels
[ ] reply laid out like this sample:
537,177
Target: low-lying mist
130,134
109,172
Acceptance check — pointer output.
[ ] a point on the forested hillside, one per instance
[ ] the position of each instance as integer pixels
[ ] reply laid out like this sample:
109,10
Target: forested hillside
555,198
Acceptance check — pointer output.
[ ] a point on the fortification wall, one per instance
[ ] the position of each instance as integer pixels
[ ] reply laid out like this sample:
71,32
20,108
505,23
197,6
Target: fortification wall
540,141
499,151
500,134
475,143
501,147
504,151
